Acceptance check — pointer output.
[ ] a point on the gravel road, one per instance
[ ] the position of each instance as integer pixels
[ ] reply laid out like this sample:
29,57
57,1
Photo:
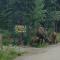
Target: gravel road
49,53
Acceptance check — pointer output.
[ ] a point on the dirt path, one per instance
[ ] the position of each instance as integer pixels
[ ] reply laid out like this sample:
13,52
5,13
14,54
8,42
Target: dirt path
49,53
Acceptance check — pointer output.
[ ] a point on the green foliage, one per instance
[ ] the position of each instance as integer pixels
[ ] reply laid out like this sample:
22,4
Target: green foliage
5,35
5,42
7,55
50,7
31,13
38,12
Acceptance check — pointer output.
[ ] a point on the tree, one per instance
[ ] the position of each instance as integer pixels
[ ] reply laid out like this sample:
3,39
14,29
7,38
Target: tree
50,7
39,11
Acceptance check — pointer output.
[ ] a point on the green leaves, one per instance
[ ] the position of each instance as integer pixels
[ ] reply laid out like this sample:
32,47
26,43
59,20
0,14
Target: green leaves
39,9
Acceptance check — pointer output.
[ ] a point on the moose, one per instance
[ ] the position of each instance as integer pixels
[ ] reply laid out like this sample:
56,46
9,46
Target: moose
53,38
42,34
42,37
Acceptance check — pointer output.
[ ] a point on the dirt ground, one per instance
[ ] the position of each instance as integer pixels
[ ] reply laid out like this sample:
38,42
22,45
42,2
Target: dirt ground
49,53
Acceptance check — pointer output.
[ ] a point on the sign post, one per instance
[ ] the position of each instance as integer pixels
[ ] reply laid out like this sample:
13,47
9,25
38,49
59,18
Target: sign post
21,29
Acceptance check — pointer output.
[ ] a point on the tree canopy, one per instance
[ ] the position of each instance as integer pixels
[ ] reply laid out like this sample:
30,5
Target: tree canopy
28,12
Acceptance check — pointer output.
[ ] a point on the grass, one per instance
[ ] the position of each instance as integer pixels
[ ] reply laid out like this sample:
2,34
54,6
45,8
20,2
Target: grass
9,54
40,46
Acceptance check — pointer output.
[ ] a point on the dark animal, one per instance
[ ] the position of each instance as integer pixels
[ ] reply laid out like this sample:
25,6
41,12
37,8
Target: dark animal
34,40
42,34
52,38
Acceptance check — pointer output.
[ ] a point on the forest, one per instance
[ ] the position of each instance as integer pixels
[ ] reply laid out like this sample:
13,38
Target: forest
29,13
26,26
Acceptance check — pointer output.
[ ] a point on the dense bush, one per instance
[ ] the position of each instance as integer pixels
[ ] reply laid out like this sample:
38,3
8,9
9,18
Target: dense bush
9,53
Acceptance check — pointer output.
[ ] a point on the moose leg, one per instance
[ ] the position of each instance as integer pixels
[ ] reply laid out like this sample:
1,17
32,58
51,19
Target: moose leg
41,41
38,41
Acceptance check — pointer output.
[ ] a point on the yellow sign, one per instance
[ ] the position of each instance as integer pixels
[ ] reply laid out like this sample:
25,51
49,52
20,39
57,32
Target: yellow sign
20,28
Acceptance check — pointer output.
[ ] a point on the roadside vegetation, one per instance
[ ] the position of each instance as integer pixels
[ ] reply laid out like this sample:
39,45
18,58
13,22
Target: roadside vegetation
8,49
9,53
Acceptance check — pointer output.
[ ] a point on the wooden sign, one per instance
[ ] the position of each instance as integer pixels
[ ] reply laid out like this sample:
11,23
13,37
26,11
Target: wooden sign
20,28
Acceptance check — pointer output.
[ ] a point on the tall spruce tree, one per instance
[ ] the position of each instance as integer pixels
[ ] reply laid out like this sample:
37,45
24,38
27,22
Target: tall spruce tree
50,7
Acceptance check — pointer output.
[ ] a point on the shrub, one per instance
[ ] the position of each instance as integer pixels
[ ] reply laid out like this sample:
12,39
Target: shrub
9,54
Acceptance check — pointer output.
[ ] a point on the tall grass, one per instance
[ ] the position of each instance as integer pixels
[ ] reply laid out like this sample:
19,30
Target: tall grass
9,54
